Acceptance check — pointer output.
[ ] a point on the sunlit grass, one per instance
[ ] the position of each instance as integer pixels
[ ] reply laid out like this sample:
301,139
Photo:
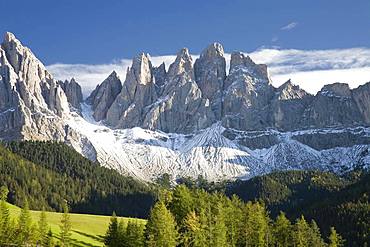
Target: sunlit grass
87,230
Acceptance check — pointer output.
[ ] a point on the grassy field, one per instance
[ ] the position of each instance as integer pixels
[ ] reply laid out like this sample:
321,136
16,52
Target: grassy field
87,230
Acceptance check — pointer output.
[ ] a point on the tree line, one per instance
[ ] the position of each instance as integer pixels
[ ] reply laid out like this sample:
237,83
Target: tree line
195,218
24,232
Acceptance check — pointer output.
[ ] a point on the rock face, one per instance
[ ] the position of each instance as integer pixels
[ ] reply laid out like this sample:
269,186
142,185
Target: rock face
137,92
288,106
333,106
210,74
32,103
103,96
73,92
155,99
247,94
188,98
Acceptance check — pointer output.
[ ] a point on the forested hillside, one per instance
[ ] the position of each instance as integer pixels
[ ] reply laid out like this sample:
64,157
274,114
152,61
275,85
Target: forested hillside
49,173
328,198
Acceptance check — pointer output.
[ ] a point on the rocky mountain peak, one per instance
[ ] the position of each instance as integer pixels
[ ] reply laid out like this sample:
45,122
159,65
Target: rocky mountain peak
288,91
336,90
182,65
104,95
73,92
241,62
142,69
213,50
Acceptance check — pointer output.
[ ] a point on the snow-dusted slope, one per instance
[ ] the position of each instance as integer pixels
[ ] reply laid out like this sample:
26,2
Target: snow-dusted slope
147,154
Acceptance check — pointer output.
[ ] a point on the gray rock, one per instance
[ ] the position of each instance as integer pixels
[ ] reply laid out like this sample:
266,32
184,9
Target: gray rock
138,91
288,106
247,94
104,95
32,104
73,92
333,106
210,74
361,95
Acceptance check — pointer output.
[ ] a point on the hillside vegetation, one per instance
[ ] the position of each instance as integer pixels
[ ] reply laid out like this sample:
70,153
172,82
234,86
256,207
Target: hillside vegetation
48,173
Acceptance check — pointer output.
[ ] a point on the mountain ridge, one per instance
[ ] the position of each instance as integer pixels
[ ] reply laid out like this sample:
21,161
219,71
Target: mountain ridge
245,124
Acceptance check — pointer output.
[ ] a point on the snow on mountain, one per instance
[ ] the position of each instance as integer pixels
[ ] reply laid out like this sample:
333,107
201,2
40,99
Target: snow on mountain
146,154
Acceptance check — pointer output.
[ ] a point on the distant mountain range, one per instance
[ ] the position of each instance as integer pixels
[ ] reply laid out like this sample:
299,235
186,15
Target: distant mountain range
194,118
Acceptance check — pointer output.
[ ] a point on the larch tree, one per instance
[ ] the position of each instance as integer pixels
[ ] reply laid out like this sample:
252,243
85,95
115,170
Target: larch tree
161,227
65,227
282,231
335,240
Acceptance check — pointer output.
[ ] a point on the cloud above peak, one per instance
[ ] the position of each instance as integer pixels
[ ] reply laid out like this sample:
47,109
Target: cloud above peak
289,26
310,69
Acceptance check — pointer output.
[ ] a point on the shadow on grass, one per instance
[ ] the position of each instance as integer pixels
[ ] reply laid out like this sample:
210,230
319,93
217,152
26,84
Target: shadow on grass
79,243
95,237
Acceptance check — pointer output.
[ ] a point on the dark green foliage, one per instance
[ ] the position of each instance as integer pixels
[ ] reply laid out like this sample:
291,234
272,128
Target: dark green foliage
112,237
327,198
59,173
288,191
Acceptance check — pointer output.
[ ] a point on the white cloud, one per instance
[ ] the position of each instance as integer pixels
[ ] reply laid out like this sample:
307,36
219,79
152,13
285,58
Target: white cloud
290,26
310,69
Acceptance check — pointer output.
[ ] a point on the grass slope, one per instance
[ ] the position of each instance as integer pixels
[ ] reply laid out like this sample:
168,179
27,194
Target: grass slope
87,230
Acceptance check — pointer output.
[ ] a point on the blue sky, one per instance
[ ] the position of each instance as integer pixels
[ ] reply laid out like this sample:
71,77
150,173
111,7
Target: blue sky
95,32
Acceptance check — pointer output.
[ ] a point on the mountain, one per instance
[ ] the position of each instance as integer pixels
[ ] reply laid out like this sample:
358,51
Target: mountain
194,118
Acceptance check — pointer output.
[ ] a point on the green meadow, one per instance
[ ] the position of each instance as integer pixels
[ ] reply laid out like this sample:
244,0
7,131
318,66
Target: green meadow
87,230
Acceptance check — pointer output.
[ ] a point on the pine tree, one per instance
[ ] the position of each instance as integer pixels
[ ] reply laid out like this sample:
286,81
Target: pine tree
43,229
134,236
65,227
161,227
335,240
301,233
112,237
6,229
25,232
282,231
314,236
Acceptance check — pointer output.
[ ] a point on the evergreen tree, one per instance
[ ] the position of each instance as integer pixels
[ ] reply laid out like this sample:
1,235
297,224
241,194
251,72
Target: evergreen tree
43,229
234,220
335,240
257,226
6,229
181,204
65,227
112,237
194,234
301,233
25,231
134,236
314,236
282,231
219,230
161,227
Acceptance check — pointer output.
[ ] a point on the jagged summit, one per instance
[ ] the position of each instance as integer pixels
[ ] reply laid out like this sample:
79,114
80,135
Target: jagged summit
213,50
182,64
192,119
